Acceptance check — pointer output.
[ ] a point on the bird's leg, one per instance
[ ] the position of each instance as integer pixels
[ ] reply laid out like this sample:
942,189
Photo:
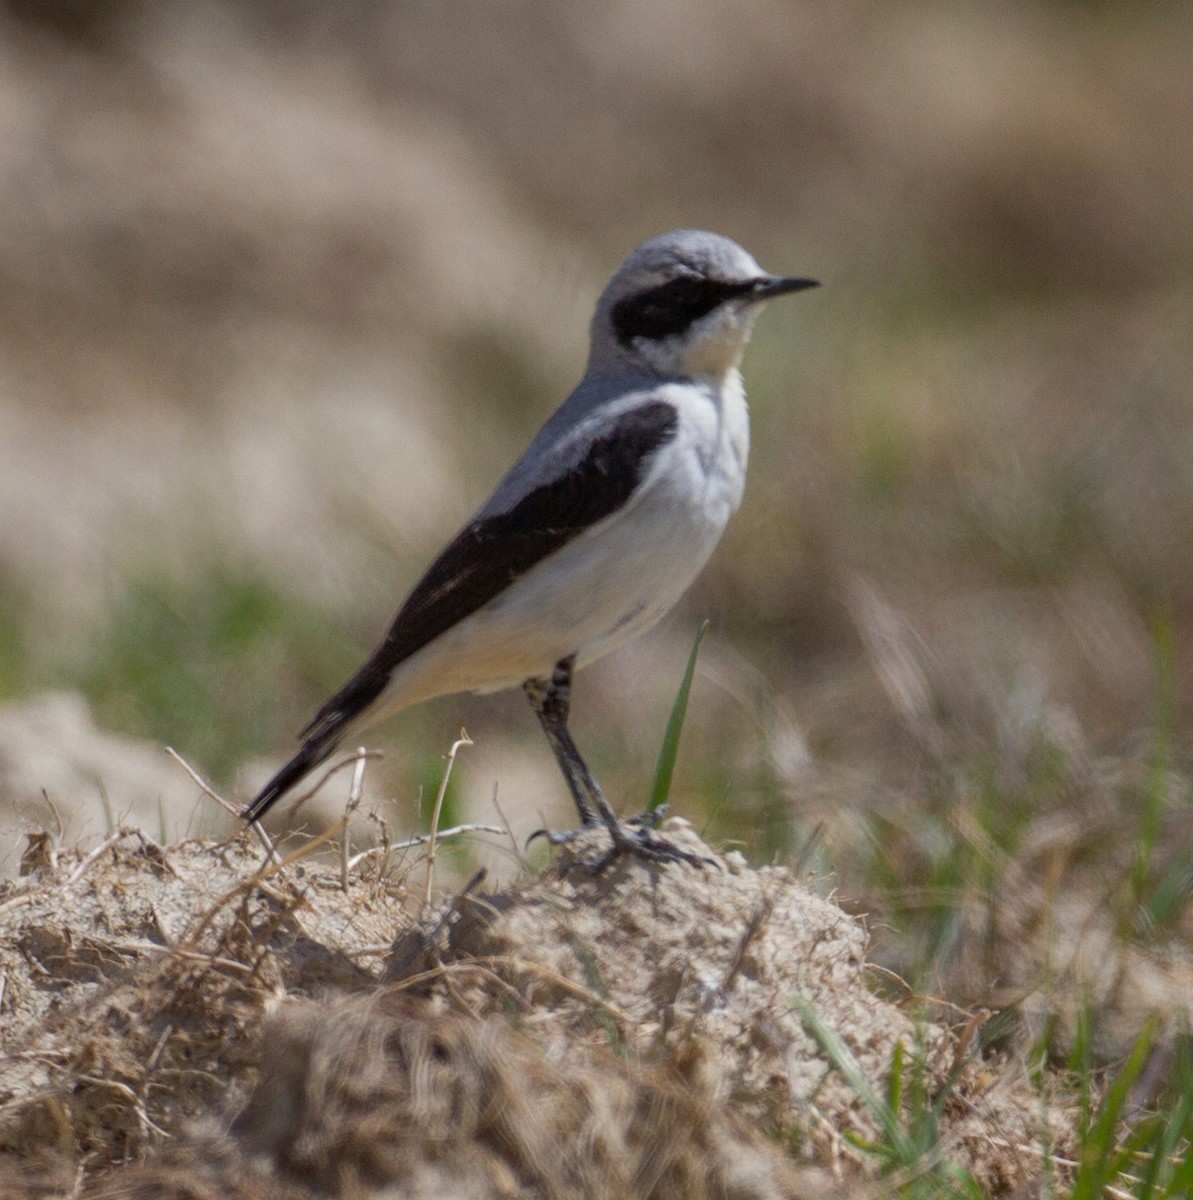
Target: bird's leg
551,701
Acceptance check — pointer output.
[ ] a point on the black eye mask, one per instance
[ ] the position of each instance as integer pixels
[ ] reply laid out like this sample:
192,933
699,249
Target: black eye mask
672,307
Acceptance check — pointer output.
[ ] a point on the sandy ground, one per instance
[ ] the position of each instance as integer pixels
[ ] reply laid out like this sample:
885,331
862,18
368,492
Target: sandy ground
180,1020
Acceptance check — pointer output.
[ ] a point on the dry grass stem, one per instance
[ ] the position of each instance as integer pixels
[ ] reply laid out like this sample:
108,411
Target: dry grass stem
354,795
349,760
463,740
421,839
95,855
203,785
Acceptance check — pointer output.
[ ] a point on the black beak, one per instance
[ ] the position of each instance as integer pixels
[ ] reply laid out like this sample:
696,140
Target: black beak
770,286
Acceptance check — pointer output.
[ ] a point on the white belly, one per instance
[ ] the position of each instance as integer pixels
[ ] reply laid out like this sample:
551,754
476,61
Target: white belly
608,585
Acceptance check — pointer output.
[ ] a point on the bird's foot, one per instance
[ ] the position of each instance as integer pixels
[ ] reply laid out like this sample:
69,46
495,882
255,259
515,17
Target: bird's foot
636,839
642,842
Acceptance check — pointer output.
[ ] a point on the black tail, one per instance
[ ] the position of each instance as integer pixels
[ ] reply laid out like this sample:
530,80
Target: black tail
329,727
313,752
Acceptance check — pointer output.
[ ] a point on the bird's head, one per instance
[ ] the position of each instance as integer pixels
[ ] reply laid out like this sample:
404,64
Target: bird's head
683,305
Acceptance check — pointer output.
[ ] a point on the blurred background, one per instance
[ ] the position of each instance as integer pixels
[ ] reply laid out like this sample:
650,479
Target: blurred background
285,287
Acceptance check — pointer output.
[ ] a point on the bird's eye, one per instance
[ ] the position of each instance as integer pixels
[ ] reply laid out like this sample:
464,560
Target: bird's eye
671,307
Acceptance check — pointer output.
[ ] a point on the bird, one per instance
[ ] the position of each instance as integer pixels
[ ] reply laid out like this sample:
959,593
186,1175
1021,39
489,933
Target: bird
595,532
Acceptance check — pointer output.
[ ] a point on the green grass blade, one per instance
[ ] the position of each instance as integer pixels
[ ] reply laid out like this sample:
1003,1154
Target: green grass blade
1099,1154
894,1089
902,1149
669,751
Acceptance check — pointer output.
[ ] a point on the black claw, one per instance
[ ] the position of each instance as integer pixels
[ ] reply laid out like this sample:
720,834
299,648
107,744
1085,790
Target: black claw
637,843
644,844
556,837
651,819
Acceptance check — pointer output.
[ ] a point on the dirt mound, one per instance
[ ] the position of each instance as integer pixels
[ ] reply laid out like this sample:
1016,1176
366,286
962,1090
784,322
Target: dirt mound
58,767
181,1021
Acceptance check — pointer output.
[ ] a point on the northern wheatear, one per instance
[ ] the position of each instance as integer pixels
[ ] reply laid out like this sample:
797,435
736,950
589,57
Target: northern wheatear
599,527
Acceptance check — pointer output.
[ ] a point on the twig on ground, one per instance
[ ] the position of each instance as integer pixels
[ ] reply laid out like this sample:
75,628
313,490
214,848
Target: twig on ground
337,766
228,964
484,963
258,879
420,839
414,942
354,794
369,951
271,851
462,740
98,853
138,1105
508,828
57,815
204,786
717,992
156,1053
25,897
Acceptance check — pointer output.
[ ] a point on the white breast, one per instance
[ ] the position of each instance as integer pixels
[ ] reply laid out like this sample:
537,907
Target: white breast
615,580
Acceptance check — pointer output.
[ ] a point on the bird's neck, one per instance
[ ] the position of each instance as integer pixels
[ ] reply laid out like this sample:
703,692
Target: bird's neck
713,359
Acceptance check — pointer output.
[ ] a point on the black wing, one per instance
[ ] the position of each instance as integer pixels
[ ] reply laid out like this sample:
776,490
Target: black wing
480,563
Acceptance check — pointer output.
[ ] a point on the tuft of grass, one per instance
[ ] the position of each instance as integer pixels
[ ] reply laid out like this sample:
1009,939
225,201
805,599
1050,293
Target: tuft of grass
1131,1151
909,1146
1124,1150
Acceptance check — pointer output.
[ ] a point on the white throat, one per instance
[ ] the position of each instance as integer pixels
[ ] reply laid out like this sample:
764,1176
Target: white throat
710,351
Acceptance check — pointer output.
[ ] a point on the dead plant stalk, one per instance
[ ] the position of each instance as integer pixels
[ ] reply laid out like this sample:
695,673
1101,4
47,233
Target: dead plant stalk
462,740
